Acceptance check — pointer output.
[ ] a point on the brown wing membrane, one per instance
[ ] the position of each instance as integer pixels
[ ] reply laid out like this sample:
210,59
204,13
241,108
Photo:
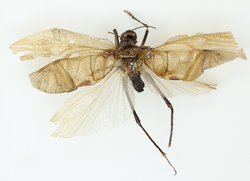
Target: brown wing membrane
58,41
68,74
186,58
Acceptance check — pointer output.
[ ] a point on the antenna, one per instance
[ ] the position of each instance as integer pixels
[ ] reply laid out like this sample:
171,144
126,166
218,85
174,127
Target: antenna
144,25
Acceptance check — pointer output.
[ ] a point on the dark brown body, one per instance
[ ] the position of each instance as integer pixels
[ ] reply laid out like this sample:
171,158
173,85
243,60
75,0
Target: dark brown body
132,58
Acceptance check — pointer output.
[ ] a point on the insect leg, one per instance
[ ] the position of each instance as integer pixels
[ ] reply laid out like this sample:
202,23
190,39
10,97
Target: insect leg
116,39
172,119
138,121
145,37
151,80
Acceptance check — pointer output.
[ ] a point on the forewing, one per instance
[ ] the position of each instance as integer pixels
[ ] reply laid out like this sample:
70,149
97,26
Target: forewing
98,107
68,74
58,41
186,58
172,88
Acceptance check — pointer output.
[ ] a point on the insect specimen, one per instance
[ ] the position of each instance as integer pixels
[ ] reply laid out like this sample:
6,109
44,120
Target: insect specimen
111,71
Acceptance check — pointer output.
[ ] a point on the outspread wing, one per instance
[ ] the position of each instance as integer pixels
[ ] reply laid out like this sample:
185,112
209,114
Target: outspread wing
57,42
186,58
172,88
68,74
64,75
98,107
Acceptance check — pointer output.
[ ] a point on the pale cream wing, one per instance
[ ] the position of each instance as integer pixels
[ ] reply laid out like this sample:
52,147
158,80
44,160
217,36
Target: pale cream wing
68,74
186,58
58,41
97,107
172,88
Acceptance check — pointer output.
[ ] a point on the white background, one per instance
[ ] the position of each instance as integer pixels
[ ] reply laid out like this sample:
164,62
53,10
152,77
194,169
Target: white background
211,140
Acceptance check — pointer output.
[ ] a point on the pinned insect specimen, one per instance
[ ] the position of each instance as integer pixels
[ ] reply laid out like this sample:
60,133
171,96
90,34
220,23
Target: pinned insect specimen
111,71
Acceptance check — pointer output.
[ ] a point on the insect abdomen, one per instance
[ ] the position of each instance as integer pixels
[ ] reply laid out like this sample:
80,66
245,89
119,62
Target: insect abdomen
137,82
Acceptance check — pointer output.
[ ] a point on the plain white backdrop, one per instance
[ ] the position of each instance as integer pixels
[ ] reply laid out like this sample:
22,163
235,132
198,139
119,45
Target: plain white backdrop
211,132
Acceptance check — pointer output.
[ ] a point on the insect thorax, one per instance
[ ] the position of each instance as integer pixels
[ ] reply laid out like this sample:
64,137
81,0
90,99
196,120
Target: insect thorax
132,64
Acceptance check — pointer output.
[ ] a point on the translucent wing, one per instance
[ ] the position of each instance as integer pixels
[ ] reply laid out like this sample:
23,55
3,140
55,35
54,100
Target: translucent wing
68,74
58,41
171,88
65,75
185,58
101,106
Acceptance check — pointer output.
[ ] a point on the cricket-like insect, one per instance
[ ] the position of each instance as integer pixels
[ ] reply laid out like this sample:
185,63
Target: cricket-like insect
111,71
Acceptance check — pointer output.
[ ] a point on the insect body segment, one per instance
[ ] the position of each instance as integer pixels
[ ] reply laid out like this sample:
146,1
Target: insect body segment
129,54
